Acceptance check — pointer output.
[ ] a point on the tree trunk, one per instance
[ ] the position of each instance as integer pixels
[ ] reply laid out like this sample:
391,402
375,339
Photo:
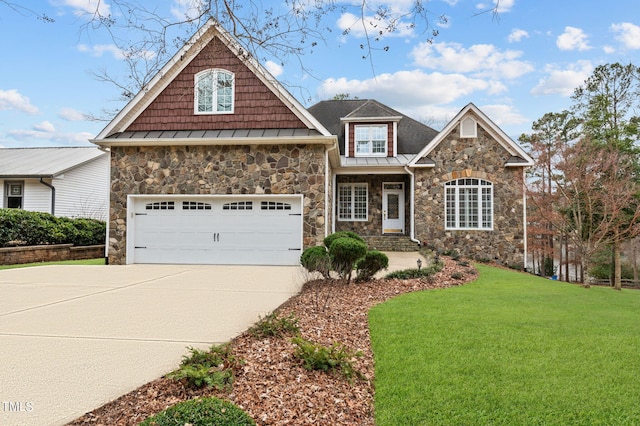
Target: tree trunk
566,259
617,267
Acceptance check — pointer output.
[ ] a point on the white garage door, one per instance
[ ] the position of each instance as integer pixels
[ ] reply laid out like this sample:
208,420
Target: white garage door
240,230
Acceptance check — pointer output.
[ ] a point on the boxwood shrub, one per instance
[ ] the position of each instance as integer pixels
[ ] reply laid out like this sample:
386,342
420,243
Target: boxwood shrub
201,411
21,227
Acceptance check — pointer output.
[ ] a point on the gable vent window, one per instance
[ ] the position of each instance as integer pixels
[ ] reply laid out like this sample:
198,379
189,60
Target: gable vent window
273,205
160,205
194,205
468,128
238,205
214,92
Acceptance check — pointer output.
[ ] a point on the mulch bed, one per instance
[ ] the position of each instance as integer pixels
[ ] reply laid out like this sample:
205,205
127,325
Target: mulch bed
272,386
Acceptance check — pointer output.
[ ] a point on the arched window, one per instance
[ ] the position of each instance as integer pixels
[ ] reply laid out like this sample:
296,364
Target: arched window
469,204
214,92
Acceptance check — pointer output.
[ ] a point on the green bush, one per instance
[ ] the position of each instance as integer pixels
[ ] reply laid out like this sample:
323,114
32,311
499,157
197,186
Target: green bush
341,234
344,253
201,412
213,368
316,259
407,274
274,326
370,264
337,357
21,227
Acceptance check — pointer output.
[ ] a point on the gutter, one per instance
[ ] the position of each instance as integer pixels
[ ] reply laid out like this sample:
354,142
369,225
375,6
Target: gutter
412,207
53,195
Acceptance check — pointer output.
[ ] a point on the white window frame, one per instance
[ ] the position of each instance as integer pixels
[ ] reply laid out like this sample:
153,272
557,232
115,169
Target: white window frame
350,204
368,146
468,204
215,106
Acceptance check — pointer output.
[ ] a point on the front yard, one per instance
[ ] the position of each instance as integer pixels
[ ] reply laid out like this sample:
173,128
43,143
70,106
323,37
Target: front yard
508,348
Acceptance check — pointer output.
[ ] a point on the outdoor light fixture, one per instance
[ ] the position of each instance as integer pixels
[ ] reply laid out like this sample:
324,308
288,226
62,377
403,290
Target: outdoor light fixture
419,262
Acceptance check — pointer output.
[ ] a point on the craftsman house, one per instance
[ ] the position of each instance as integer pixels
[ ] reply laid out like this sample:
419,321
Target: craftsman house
215,162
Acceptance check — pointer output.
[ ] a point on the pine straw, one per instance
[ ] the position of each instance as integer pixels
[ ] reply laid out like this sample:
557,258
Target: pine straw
272,386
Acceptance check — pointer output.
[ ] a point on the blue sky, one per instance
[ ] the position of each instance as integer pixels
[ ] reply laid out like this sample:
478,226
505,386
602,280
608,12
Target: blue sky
515,68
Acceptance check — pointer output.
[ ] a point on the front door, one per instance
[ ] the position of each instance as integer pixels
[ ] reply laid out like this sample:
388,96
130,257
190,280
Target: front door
392,208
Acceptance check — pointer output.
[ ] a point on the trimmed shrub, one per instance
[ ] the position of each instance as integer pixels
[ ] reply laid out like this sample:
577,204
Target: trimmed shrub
213,368
407,274
20,227
316,259
201,411
274,326
344,252
337,357
370,264
329,239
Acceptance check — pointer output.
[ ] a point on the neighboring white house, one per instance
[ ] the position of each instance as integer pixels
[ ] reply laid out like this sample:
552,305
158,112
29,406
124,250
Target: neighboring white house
64,181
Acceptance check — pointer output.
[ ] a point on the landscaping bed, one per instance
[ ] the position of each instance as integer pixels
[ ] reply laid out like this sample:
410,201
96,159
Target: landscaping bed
272,386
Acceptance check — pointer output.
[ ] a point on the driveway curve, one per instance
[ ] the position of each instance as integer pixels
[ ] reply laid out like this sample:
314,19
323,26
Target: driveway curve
75,337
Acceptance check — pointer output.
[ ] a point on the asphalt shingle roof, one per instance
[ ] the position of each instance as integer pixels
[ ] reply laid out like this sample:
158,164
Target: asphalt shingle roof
412,135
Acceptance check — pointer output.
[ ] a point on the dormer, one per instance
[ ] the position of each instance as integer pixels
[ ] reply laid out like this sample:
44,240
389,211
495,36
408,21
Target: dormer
371,131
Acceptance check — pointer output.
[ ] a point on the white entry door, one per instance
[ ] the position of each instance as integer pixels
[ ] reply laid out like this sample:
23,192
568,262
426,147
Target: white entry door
392,208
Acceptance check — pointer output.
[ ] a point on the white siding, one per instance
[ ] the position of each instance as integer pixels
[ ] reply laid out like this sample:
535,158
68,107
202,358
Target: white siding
84,190
37,197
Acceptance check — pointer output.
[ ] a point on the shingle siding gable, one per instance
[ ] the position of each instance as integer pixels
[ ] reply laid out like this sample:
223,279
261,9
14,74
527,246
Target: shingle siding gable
256,106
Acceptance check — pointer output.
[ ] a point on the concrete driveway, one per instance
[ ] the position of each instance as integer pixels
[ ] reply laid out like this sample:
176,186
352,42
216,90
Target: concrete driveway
75,337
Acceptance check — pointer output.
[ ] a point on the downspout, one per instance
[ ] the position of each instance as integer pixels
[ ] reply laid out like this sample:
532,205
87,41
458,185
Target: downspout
326,190
524,215
53,195
412,206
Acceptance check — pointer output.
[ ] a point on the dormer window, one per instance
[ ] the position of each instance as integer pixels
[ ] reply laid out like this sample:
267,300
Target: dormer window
214,92
371,140
468,128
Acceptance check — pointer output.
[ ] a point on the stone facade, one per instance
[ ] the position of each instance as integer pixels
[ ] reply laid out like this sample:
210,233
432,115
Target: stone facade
482,158
247,169
373,226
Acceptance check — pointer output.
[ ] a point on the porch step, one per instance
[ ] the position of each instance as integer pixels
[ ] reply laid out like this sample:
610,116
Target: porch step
390,243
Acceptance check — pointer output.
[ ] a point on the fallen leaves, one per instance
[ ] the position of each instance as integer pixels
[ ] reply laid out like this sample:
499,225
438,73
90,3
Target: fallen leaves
272,386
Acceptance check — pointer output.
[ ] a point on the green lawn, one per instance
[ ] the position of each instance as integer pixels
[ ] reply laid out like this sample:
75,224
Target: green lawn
99,261
508,349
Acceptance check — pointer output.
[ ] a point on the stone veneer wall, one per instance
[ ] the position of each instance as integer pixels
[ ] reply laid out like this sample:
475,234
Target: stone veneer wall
248,169
49,253
373,226
482,158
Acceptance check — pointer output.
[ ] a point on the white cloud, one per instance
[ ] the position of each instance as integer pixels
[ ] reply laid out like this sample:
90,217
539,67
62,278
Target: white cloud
504,115
186,9
99,49
46,132
44,126
573,39
410,89
517,35
628,34
275,69
370,26
563,81
71,114
501,5
12,100
609,50
89,7
481,60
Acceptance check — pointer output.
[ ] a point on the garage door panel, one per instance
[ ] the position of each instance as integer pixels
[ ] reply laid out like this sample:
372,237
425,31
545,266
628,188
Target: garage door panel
260,231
